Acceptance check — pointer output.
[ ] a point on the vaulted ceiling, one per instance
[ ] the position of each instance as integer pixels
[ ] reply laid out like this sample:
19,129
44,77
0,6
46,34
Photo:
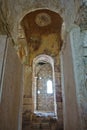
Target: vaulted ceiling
41,22
42,30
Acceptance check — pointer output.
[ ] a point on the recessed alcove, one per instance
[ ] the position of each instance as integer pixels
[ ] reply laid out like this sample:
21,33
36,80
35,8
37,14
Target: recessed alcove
44,96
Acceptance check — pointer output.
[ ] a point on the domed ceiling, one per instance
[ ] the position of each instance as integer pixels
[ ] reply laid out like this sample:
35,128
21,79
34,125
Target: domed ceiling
42,30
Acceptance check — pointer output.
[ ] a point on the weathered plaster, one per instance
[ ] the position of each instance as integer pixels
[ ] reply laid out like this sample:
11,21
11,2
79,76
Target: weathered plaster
79,71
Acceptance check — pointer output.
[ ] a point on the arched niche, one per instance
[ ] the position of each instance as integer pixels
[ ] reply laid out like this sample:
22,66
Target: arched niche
35,25
43,61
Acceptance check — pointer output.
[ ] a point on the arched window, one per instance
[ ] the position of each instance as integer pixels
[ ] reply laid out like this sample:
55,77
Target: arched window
43,87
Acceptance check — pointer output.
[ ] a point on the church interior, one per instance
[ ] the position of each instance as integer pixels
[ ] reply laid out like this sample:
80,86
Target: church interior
43,65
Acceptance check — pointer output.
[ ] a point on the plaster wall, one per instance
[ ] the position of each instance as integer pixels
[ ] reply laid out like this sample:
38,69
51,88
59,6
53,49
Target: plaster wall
78,43
45,101
71,114
3,39
12,90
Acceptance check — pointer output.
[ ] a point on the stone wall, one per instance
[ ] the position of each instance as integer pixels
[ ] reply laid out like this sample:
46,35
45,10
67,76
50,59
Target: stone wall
44,101
27,100
58,87
27,97
12,91
78,40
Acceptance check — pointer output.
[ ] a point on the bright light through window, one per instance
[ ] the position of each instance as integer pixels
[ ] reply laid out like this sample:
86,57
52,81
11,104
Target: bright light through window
38,92
49,87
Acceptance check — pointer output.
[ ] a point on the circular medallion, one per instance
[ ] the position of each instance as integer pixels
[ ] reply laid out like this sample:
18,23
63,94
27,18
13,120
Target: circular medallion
43,19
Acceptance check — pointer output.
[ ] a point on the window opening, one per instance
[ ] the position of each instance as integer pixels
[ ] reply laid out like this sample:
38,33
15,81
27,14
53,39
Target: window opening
49,87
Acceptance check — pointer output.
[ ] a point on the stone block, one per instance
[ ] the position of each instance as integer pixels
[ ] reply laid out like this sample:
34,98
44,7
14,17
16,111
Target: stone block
27,101
36,126
27,108
45,125
60,105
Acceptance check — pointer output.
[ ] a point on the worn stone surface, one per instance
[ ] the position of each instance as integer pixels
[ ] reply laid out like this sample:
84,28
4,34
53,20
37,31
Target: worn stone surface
27,95
82,16
71,113
78,53
2,59
39,122
12,92
44,100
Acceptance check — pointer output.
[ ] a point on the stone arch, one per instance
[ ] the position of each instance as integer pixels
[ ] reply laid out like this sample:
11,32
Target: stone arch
38,9
35,9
